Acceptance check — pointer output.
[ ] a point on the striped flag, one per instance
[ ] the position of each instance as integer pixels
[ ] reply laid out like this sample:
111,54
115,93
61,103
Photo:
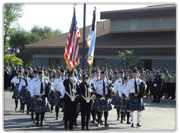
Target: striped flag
71,53
91,40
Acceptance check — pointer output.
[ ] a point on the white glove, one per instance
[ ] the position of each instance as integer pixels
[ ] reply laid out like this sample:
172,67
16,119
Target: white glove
73,90
87,82
89,90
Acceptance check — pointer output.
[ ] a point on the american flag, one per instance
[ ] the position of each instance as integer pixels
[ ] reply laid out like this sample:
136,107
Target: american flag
71,53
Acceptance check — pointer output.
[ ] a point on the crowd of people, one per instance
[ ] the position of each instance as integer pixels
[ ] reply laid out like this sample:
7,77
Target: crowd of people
42,88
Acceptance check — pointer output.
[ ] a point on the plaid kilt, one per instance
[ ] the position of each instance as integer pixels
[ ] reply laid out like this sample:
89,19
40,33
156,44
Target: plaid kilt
114,100
40,106
120,105
55,100
133,106
16,94
23,94
99,107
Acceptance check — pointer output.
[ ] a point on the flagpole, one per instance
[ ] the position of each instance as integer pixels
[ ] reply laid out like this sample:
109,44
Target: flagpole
73,82
89,81
83,51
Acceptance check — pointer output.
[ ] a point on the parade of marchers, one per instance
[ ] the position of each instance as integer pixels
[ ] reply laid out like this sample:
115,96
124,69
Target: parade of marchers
43,89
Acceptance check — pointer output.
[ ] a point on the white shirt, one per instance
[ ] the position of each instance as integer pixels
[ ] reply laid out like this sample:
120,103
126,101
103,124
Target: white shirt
117,84
17,79
131,87
93,80
31,82
23,83
123,90
59,86
36,87
99,87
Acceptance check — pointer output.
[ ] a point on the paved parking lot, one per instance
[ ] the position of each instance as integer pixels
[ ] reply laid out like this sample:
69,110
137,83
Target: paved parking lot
156,117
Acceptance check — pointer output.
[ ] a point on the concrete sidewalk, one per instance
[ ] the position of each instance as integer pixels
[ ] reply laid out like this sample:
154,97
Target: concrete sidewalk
155,117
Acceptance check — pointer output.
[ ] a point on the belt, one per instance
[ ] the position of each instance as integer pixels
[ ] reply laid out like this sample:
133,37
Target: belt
39,96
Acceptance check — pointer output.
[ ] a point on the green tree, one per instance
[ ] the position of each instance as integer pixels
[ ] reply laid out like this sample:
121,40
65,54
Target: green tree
12,12
45,32
17,44
128,59
12,59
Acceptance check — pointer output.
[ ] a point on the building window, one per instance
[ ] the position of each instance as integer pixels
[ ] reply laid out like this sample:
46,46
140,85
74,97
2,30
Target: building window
99,62
54,61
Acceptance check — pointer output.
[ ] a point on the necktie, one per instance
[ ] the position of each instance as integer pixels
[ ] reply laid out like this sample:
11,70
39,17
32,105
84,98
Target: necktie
26,82
135,85
41,87
19,80
103,88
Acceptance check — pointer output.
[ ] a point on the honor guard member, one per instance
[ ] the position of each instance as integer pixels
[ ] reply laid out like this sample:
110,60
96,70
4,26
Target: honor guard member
39,98
16,81
115,76
135,88
86,104
102,102
70,103
123,97
157,87
23,89
173,84
117,84
58,89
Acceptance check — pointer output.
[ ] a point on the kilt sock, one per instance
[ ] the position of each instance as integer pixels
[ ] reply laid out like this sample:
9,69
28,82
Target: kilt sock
122,115
99,116
16,104
128,114
138,116
132,116
42,117
93,113
57,111
118,111
105,116
37,118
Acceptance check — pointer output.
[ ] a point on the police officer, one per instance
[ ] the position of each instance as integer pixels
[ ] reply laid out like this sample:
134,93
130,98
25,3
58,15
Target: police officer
148,83
166,82
136,101
153,76
157,87
102,103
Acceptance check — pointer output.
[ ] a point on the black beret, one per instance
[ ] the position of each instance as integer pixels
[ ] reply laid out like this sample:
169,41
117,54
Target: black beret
26,73
40,72
126,77
62,70
103,72
135,71
120,71
86,77
35,71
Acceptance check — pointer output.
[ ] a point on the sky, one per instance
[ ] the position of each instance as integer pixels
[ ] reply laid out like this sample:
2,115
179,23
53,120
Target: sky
59,15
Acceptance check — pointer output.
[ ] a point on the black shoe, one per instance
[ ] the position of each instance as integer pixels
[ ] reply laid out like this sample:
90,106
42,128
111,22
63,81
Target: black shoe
93,121
101,122
117,119
75,124
128,122
106,125
65,128
138,125
158,102
37,124
132,125
42,124
121,121
57,118
87,128
153,101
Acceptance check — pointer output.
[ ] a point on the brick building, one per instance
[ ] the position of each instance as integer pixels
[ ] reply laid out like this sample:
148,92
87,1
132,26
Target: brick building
149,31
